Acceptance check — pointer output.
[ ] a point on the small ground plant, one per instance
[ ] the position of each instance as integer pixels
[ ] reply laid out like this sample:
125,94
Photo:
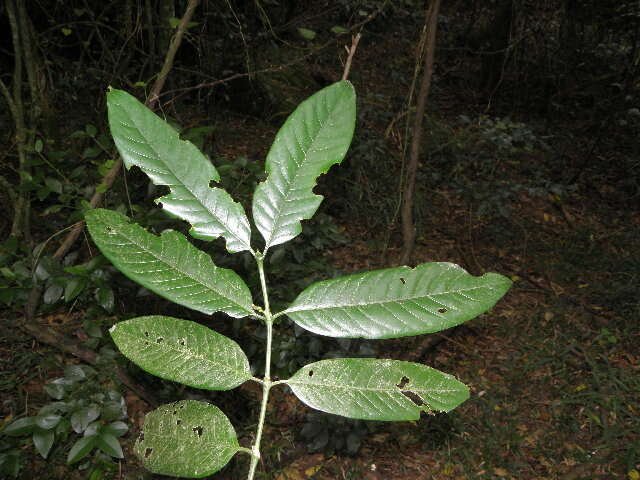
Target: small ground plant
195,439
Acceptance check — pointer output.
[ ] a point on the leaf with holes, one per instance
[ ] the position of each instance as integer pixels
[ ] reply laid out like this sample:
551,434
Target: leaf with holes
186,439
182,351
314,137
372,389
169,265
396,302
145,140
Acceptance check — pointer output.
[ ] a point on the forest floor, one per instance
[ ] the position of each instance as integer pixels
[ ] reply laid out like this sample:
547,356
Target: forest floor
554,368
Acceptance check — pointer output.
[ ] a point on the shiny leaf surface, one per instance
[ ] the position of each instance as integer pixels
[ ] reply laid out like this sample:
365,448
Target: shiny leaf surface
43,441
182,351
314,137
186,439
372,389
396,302
145,140
169,265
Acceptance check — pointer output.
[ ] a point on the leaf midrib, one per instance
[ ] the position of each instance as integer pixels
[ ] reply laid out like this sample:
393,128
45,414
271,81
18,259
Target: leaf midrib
167,165
289,188
380,302
186,274
367,389
243,373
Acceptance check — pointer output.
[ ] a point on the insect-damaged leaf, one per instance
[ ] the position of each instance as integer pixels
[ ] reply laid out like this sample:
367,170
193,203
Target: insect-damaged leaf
396,302
186,439
145,140
169,265
182,351
314,137
372,389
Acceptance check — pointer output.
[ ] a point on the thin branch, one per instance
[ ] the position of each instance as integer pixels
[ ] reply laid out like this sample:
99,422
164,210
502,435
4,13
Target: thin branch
408,227
173,48
7,95
351,52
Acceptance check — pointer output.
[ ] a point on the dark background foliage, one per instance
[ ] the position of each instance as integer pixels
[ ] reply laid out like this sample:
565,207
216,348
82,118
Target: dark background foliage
529,167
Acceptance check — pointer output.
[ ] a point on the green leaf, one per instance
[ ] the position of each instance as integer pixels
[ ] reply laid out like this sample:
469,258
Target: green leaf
20,427
396,302
169,265
58,388
53,293
372,389
306,33
105,298
182,351
75,373
117,429
314,137
73,288
47,421
143,139
81,449
109,445
43,441
53,184
91,130
202,440
81,418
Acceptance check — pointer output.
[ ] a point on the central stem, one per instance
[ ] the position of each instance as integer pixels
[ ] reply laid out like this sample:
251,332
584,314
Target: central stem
266,385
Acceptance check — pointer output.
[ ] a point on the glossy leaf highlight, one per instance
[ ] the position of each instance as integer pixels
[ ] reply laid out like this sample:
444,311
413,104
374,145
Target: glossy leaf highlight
186,439
145,140
372,389
169,265
396,302
182,351
314,137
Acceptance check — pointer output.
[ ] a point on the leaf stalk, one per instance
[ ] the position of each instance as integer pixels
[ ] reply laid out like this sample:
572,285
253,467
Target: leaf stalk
266,382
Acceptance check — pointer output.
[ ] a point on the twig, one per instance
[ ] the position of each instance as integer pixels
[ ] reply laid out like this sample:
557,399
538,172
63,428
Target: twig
350,51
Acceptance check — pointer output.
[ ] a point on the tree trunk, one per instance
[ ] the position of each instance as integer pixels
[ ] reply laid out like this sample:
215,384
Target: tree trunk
408,228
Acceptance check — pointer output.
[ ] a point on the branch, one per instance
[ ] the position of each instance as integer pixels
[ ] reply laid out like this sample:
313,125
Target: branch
408,228
351,51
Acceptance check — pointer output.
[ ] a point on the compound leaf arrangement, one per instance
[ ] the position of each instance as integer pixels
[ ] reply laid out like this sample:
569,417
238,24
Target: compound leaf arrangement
194,439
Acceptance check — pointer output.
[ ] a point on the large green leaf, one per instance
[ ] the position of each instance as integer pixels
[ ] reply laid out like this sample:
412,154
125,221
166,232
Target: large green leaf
145,140
182,351
372,389
396,302
186,439
314,137
169,265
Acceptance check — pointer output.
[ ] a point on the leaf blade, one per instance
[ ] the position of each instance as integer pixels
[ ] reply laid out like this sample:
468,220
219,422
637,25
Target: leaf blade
373,389
396,302
182,351
169,265
314,137
206,438
145,140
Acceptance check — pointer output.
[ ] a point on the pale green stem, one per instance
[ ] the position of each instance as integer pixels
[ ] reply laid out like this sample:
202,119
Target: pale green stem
266,382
